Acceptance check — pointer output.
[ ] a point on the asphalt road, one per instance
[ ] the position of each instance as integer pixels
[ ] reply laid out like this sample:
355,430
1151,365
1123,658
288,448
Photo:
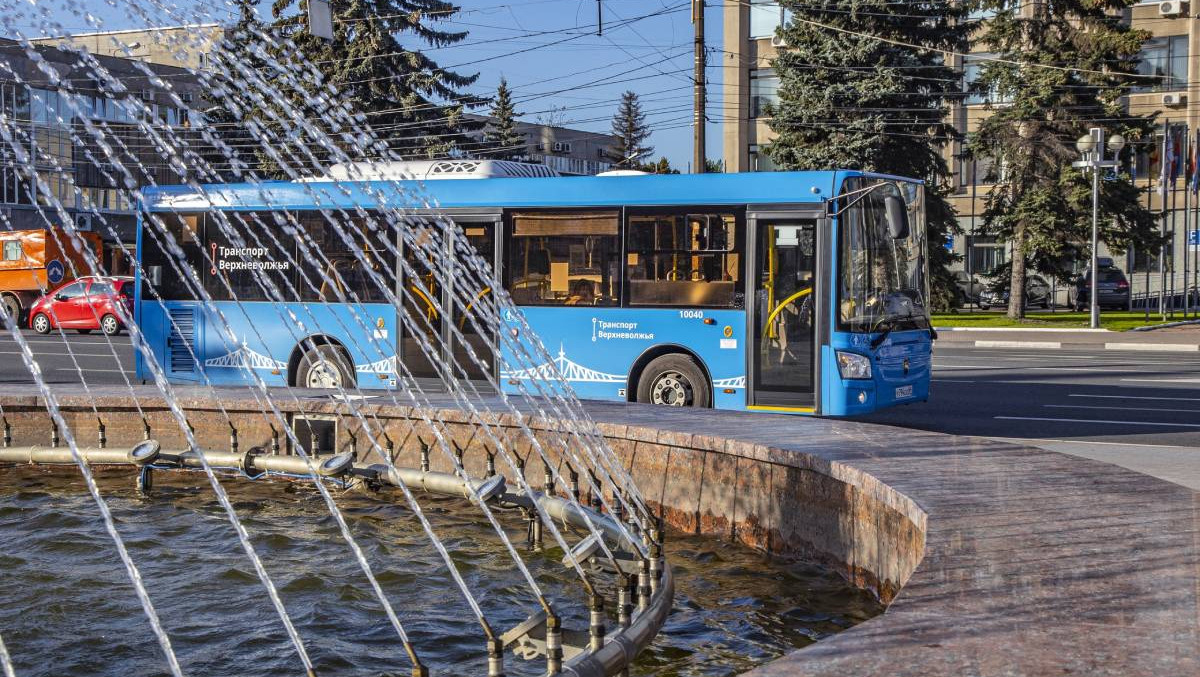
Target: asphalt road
1137,409
63,357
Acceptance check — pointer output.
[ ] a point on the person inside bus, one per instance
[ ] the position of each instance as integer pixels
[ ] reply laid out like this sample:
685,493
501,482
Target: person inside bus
583,293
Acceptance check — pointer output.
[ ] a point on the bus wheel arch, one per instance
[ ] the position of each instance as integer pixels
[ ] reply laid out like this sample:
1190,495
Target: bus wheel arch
320,348
704,394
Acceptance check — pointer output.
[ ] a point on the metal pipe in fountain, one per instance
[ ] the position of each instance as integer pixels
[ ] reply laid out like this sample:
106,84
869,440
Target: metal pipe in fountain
604,653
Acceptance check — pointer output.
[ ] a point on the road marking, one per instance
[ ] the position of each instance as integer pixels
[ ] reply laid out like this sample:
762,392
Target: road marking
1155,347
1113,444
1053,345
951,380
1084,406
45,354
1163,380
1139,397
1086,420
111,371
1098,370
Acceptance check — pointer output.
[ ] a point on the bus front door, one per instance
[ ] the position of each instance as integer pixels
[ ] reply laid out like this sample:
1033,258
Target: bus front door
783,314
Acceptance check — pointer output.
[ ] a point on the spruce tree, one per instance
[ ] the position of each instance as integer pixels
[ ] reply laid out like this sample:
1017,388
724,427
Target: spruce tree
629,126
502,139
1040,203
414,104
855,95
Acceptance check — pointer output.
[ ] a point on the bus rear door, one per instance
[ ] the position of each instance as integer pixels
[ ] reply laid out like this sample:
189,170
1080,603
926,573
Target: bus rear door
786,303
448,333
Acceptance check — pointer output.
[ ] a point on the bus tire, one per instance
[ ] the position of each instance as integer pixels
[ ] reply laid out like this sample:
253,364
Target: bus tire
324,366
674,380
41,323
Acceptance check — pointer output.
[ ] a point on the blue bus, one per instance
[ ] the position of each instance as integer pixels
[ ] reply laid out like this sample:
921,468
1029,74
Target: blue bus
800,292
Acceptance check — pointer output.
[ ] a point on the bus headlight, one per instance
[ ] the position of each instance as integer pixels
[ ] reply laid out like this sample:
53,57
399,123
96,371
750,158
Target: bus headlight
853,365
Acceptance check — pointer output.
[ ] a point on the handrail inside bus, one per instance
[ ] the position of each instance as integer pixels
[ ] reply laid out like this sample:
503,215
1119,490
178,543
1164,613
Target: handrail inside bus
793,297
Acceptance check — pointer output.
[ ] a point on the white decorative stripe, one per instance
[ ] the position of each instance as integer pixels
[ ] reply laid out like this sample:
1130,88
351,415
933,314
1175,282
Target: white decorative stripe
575,372
245,358
387,365
735,382
566,369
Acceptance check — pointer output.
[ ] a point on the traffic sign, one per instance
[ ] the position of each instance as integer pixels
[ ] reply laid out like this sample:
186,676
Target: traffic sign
55,271
1194,239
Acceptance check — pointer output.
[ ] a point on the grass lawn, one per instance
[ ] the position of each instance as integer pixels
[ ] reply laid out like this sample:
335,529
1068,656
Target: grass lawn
1116,320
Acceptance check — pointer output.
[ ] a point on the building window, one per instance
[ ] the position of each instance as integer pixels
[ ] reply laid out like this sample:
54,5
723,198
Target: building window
564,258
972,68
764,90
979,14
986,254
765,17
683,260
1166,59
760,161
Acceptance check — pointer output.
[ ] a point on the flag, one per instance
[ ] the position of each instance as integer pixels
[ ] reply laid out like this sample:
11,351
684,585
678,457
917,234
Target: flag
1194,169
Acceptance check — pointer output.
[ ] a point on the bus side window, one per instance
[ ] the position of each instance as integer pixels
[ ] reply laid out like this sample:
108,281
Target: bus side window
564,258
684,259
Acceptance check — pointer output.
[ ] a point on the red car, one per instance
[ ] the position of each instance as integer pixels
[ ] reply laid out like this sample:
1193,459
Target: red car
85,304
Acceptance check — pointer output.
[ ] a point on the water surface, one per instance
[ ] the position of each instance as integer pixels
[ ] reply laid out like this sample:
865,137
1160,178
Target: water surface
67,607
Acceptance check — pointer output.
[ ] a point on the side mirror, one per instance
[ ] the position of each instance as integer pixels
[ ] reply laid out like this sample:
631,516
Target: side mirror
60,297
897,217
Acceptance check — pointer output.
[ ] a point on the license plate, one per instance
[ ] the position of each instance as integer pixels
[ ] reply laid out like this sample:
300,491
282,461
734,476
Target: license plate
903,391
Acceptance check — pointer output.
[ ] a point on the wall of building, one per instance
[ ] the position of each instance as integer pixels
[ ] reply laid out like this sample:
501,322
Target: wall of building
49,124
181,46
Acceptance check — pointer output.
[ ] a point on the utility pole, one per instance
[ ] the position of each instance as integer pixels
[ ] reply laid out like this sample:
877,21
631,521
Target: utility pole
699,163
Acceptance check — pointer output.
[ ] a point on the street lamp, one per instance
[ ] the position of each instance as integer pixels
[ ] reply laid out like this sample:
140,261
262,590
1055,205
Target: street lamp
1091,147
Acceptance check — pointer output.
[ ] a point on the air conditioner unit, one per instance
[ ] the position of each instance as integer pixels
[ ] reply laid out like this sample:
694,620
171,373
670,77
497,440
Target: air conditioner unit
1174,99
778,42
561,147
1171,8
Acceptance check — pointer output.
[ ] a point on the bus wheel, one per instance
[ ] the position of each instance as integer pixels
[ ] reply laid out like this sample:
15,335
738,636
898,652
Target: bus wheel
41,324
324,366
12,307
674,380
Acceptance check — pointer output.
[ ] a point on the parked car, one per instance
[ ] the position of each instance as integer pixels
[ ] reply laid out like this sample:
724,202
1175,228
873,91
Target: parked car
1037,293
86,304
1112,286
969,290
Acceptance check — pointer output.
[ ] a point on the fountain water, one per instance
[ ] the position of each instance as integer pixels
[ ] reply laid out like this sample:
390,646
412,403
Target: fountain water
316,135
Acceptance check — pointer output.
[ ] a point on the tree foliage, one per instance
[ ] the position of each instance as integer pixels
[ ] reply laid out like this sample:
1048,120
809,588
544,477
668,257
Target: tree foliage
413,103
629,126
503,140
1040,203
864,85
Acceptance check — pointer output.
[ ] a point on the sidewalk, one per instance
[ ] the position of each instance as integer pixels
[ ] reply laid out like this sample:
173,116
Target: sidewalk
1185,339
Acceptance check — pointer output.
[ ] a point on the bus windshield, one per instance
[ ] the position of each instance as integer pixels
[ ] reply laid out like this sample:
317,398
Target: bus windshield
882,280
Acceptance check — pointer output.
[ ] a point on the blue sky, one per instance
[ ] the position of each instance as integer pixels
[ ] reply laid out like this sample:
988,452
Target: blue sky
559,69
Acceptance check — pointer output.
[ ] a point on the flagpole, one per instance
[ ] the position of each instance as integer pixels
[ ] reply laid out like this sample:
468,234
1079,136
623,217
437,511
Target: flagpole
1187,209
1164,173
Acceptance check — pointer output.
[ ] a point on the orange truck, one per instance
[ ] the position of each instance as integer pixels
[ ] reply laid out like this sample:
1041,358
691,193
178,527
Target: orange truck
33,262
